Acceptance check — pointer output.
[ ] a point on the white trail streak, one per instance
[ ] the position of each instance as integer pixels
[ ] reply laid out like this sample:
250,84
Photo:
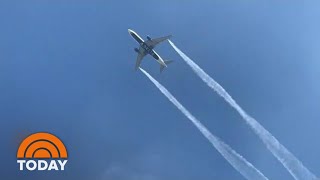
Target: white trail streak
288,160
237,161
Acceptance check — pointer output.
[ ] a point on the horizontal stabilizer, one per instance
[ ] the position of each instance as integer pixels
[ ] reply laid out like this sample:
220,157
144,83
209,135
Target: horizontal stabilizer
166,62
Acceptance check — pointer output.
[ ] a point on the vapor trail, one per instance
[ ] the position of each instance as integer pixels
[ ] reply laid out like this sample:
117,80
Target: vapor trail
288,160
237,161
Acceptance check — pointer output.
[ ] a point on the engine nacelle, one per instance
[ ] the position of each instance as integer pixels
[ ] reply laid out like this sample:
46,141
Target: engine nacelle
136,50
149,38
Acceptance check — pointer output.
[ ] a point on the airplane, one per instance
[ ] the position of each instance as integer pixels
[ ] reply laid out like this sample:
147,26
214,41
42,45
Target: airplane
147,47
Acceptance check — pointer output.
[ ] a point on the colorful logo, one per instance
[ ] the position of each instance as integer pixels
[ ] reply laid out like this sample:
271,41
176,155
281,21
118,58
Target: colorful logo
42,151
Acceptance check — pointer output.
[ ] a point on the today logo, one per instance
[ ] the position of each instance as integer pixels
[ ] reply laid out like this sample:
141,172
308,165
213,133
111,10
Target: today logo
42,151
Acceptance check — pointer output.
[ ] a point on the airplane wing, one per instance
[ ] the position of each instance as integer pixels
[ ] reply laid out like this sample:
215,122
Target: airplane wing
154,42
141,55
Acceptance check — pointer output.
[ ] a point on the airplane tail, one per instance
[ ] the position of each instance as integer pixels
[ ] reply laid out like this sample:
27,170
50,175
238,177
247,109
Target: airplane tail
166,62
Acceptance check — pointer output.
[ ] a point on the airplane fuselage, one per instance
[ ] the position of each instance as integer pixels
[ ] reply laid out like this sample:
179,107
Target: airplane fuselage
147,49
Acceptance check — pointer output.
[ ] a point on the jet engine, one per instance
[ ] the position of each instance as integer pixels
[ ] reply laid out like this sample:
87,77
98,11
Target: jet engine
136,50
149,38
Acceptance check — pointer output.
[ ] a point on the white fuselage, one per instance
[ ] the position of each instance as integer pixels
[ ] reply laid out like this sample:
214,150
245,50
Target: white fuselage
147,49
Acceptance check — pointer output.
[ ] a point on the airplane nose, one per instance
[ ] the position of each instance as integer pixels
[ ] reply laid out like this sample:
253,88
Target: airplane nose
130,31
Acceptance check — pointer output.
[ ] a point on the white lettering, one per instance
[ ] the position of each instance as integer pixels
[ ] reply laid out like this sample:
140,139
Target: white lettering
53,165
21,162
62,164
33,167
42,165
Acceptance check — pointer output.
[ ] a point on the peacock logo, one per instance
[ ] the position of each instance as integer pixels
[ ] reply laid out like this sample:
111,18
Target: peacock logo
42,151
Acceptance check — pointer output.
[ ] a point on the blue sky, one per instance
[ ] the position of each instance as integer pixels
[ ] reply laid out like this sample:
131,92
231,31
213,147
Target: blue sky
66,67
